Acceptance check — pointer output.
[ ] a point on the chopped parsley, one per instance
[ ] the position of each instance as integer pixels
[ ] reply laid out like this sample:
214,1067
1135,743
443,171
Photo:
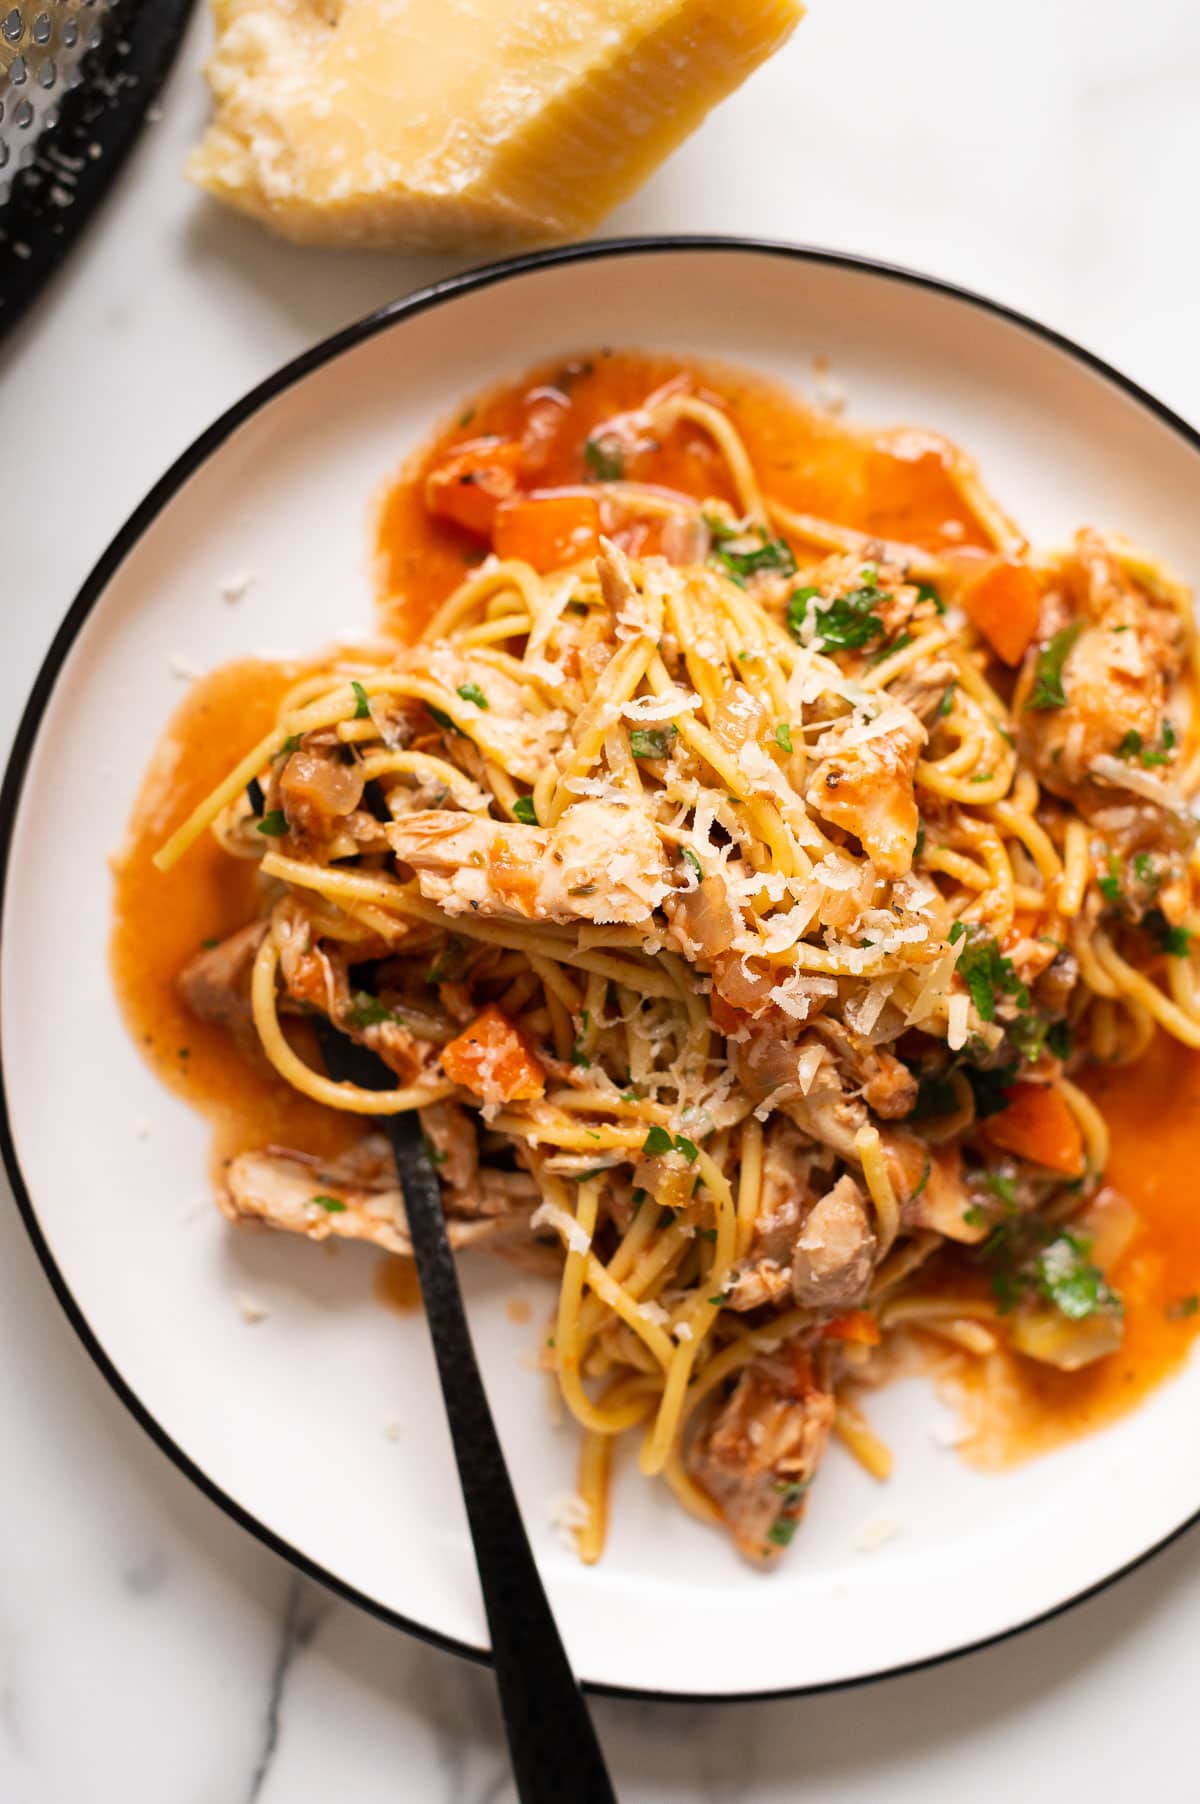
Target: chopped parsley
927,592
947,701
578,1055
783,736
1001,1186
1175,941
1048,691
689,857
651,742
1131,746
525,811
431,1151
1110,884
847,624
273,824
444,721
290,744
986,972
1058,1040
331,1204
1144,871
471,692
657,1142
209,944
975,1217
919,844
1064,1275
770,554
604,457
365,1010
780,1533
362,704
1185,1307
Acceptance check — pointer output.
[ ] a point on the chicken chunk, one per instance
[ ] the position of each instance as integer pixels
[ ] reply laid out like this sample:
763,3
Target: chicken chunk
834,1254
1112,653
599,862
756,1455
888,1087
215,984
292,1192
865,784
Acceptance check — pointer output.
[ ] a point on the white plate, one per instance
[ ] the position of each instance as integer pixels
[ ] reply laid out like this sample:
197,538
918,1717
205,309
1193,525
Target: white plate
283,1422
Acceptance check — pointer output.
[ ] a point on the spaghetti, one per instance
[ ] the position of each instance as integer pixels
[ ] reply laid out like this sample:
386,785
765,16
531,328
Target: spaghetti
758,884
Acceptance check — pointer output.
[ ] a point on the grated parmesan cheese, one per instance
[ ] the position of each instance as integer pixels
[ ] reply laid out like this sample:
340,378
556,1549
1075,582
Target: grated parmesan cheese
550,1215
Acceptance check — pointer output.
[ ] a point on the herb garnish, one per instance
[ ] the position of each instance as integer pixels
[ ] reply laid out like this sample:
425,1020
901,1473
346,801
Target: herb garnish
604,457
770,554
1176,941
362,704
652,742
273,824
331,1204
365,1010
471,692
986,972
783,736
525,811
1048,691
847,624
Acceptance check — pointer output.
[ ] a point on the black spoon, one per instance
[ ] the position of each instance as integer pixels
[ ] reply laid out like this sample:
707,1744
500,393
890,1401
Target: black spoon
556,1758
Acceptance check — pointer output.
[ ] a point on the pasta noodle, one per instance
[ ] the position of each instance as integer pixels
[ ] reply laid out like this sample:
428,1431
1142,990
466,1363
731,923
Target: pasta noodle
761,885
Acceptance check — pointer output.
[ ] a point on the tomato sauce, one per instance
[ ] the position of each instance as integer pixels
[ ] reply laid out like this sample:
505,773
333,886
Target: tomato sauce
1018,1407
895,484
162,919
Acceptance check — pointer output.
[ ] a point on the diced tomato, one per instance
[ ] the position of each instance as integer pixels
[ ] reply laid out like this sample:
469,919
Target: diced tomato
1004,602
857,1325
1037,1124
546,529
471,481
493,1058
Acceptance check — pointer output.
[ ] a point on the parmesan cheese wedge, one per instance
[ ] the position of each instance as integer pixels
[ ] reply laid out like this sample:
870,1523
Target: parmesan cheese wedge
431,124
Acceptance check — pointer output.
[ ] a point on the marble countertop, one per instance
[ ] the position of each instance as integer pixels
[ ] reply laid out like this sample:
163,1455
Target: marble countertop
149,1649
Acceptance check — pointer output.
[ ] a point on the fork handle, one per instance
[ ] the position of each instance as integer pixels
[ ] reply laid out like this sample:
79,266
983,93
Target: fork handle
555,1755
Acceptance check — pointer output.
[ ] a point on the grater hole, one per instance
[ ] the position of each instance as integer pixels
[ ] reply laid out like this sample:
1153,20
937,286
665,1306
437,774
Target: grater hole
47,72
69,34
23,115
13,26
42,29
17,72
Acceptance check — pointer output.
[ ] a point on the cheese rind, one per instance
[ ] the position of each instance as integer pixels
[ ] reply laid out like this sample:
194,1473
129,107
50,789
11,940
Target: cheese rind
431,124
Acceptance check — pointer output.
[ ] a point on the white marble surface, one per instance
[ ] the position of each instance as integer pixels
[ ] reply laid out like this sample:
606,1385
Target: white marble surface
149,1649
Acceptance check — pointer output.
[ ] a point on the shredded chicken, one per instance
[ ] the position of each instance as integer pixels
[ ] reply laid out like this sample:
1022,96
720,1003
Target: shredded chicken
834,1253
1126,651
866,786
757,1453
598,863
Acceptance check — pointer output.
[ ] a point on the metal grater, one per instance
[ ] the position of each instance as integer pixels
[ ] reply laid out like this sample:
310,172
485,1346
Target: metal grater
76,78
